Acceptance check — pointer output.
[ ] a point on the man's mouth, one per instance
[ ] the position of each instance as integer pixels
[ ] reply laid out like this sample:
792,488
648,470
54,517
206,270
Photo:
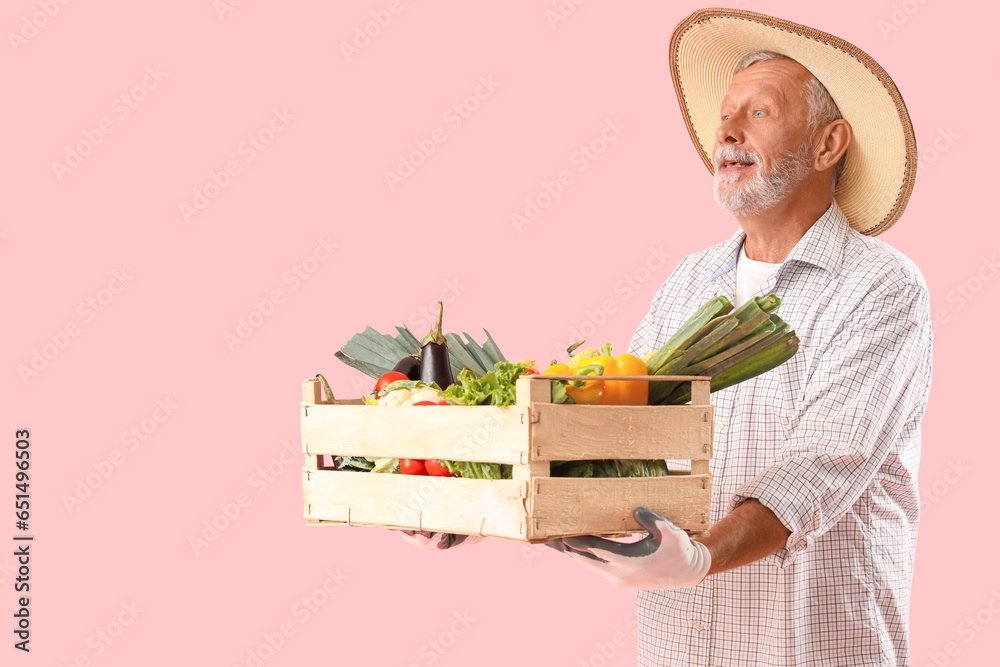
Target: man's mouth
735,164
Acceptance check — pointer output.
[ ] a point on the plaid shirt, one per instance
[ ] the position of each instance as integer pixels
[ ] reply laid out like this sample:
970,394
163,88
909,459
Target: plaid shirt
829,441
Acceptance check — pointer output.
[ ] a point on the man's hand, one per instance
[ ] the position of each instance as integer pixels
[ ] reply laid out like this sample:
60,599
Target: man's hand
423,539
663,560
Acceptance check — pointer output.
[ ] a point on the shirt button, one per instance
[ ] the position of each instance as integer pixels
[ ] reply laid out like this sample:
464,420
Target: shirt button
699,627
720,425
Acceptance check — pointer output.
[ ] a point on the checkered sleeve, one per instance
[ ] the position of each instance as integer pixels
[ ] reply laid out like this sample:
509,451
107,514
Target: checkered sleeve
649,332
869,380
642,342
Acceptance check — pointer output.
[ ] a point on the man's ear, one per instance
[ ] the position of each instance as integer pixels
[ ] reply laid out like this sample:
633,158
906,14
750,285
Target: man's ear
834,140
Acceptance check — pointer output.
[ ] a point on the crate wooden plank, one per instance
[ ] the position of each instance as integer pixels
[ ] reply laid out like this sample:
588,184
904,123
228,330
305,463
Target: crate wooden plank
580,432
700,392
494,508
528,393
312,392
563,506
467,433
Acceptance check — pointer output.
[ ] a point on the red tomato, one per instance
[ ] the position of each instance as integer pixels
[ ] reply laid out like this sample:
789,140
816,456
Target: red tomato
412,466
435,469
387,379
430,403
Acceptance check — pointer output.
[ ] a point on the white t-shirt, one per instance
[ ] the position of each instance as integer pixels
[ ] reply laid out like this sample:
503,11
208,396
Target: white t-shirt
750,275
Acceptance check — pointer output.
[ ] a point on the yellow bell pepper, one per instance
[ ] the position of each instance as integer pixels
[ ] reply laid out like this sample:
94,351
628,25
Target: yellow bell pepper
605,392
557,369
628,392
590,393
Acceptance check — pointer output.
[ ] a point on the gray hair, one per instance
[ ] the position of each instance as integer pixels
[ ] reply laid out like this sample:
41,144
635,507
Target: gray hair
822,109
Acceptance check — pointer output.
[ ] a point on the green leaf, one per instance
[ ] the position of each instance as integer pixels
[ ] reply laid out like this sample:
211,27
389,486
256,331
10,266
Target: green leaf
490,347
376,342
370,370
477,470
408,340
458,354
363,351
389,343
473,348
691,330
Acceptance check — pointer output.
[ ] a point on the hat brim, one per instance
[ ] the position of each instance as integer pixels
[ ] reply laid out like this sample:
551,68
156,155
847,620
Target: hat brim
880,165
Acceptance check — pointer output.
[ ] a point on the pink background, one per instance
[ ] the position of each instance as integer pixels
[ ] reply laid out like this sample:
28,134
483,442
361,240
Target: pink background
129,302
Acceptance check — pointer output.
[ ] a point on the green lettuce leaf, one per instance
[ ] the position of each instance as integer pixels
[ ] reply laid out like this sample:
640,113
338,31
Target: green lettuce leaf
477,470
498,387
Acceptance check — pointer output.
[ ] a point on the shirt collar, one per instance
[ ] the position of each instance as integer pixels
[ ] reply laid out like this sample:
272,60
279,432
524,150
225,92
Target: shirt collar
822,245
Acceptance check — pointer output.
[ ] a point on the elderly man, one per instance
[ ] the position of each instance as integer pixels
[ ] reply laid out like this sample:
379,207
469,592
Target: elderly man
814,508
810,555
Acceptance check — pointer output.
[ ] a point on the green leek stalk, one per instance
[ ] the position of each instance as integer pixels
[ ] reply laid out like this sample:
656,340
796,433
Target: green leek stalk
714,307
728,346
750,364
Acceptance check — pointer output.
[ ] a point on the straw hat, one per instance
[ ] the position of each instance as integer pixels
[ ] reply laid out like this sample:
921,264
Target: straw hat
881,162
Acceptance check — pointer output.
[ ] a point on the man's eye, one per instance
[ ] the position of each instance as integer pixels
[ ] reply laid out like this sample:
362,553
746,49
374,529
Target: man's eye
758,112
725,118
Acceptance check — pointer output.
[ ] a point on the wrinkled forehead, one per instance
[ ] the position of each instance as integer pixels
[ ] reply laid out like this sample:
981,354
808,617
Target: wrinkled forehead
784,81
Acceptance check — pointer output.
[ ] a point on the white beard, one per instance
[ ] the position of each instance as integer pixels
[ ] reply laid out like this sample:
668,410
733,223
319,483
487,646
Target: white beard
763,191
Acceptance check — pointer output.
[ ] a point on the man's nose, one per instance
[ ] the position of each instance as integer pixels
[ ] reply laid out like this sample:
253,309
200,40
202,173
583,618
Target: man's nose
729,132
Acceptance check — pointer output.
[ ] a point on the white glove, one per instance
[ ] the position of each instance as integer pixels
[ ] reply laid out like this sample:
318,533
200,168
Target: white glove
663,560
433,541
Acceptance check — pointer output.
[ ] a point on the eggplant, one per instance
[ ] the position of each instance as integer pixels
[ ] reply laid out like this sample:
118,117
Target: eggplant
409,366
435,362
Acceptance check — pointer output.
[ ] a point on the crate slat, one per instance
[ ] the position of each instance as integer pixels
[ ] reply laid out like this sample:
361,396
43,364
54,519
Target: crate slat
474,433
561,505
699,466
312,392
494,508
580,432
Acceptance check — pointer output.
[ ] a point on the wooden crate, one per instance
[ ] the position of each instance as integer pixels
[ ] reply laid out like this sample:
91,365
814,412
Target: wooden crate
532,507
